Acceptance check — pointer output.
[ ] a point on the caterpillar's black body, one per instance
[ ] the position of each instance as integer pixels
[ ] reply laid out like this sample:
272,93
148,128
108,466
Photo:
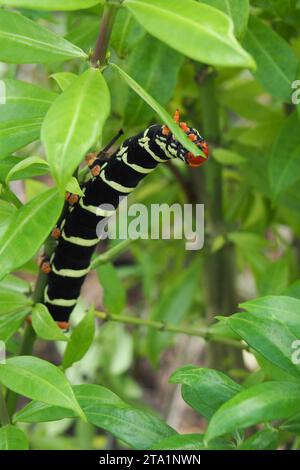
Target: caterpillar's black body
136,158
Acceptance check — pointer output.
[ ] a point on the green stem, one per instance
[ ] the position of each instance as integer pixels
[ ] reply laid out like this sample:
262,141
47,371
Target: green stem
111,254
161,326
25,350
11,197
106,26
4,416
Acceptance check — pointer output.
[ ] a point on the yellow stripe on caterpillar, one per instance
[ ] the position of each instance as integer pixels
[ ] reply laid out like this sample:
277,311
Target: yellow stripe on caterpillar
65,272
59,302
117,186
80,241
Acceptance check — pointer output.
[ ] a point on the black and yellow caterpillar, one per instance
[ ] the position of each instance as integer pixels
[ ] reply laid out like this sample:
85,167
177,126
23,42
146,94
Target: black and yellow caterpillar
76,233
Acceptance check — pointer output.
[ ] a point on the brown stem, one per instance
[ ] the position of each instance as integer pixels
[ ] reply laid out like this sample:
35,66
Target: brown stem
106,26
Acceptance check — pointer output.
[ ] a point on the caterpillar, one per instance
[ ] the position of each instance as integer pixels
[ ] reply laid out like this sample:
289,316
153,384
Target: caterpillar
76,233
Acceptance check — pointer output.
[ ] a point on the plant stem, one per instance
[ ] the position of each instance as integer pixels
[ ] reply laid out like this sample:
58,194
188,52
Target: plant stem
11,197
25,350
219,266
106,26
4,416
111,254
161,326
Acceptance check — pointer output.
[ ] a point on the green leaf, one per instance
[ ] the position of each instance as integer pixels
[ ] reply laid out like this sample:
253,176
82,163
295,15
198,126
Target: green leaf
114,294
7,212
126,33
20,99
74,187
27,230
292,424
27,168
23,41
15,284
181,442
63,79
74,122
165,63
13,438
18,133
228,157
266,439
165,117
284,163
138,428
205,390
237,10
11,301
269,336
39,380
281,308
187,25
264,402
80,341
11,322
172,307
6,164
52,5
44,325
276,62
190,442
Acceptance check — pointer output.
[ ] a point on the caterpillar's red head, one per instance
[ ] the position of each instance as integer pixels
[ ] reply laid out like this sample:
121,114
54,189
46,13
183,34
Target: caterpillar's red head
173,145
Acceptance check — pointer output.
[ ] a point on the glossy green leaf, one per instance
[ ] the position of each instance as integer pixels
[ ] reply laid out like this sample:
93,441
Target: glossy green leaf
228,157
282,308
6,164
292,424
276,62
39,380
126,33
205,390
52,5
17,133
269,336
7,212
80,341
15,284
74,187
165,117
187,25
284,163
237,10
44,325
20,99
181,442
190,442
172,307
266,439
165,63
114,294
11,301
264,402
23,41
27,230
12,438
11,322
64,79
138,428
27,168
74,122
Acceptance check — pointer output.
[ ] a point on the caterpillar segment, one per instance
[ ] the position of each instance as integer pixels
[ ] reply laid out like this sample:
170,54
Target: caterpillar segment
117,177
